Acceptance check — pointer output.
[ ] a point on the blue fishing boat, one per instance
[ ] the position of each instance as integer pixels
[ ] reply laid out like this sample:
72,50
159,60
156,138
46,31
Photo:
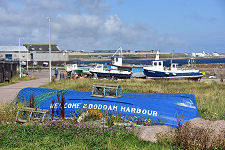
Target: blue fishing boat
160,108
159,71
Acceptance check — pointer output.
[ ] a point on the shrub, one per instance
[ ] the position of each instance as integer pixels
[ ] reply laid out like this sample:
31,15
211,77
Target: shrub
196,138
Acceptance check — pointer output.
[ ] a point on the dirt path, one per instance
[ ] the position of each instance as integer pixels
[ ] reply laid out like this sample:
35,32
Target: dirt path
9,92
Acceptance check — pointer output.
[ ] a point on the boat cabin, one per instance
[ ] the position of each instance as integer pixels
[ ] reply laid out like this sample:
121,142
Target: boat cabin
117,60
173,67
71,67
98,67
157,65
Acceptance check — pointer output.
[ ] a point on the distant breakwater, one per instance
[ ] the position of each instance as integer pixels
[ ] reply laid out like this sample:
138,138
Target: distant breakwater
166,61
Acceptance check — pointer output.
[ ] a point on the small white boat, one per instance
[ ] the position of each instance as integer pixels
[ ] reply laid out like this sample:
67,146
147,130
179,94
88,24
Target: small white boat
100,72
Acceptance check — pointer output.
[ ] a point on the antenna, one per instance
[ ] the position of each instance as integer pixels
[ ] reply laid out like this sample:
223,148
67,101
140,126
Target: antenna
20,58
172,58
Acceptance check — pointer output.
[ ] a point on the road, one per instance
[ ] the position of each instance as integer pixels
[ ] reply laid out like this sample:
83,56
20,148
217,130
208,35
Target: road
9,92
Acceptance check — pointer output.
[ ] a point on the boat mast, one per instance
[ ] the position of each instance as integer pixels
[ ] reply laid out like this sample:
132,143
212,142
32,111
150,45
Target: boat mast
119,51
171,61
157,55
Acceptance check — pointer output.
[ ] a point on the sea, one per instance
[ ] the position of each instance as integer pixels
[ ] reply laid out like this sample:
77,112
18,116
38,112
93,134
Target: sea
166,62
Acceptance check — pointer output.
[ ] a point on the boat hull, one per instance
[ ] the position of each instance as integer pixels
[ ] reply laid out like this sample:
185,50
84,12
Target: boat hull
172,75
160,108
109,74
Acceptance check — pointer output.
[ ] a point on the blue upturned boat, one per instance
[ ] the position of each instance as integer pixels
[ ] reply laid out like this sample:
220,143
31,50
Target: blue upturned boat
160,108
158,71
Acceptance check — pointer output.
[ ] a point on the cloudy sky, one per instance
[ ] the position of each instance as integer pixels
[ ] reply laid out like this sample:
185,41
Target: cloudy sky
168,25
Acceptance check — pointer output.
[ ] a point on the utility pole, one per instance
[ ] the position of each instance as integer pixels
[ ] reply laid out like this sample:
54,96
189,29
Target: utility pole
20,59
27,58
49,41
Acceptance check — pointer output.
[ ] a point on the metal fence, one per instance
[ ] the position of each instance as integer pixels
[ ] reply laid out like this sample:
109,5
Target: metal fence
7,70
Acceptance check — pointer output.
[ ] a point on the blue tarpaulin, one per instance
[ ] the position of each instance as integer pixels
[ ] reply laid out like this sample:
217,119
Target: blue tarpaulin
161,108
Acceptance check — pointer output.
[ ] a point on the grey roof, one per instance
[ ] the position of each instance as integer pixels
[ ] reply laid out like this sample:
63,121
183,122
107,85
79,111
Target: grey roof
41,47
13,49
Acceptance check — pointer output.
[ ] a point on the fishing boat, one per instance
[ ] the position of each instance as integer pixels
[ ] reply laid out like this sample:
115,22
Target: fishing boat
74,69
117,64
114,70
159,71
99,71
160,108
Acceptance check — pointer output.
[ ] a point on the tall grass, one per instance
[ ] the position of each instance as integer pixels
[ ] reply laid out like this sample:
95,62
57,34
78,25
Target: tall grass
70,135
210,96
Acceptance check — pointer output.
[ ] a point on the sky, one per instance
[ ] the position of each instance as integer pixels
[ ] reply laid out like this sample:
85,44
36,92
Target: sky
166,25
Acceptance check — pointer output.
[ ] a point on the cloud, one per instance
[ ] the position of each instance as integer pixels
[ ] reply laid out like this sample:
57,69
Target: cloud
92,6
80,24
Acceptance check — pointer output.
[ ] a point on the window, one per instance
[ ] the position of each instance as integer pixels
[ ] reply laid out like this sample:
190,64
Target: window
155,64
160,63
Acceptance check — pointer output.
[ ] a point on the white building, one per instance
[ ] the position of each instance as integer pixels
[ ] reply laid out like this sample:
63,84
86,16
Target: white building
215,54
33,52
14,53
203,54
40,52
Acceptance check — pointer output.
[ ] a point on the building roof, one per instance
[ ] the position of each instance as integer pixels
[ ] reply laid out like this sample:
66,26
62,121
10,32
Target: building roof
13,49
41,47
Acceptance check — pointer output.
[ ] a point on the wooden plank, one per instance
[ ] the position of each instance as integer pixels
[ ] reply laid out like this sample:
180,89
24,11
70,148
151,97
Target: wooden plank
36,110
106,96
105,85
21,120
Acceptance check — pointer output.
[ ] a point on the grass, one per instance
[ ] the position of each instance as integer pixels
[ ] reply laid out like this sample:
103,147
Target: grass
69,134
210,96
17,79
65,134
